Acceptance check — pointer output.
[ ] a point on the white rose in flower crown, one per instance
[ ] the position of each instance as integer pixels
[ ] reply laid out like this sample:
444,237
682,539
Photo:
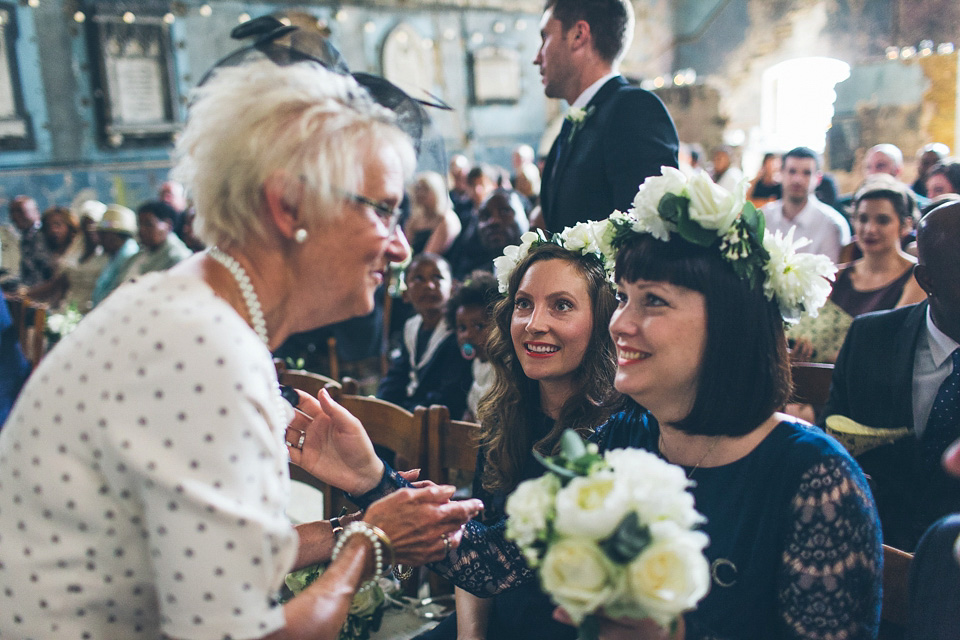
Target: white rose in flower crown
799,281
528,508
591,506
712,206
671,575
504,265
646,202
579,577
578,237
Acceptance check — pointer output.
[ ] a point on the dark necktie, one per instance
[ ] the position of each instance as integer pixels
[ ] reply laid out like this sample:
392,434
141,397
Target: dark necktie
943,425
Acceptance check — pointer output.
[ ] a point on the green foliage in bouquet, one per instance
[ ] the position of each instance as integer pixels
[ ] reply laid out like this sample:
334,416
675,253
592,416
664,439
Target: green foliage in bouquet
366,610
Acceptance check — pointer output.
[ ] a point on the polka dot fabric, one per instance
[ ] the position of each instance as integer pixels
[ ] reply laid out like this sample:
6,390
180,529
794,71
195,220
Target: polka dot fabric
143,476
944,416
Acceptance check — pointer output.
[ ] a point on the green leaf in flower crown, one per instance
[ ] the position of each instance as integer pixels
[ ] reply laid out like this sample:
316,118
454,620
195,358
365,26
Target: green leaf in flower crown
673,207
627,540
752,218
693,232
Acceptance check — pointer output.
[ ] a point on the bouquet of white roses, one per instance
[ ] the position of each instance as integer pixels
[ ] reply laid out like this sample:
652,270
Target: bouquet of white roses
611,533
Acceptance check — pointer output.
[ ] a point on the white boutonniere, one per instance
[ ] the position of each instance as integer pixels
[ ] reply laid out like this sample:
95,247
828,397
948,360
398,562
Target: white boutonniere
577,117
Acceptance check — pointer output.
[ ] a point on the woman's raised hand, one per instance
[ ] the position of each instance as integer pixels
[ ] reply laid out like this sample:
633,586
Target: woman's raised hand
336,448
423,524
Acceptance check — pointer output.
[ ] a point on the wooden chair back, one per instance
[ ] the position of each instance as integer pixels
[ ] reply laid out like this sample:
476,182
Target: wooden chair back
30,320
811,382
896,574
309,382
391,426
451,445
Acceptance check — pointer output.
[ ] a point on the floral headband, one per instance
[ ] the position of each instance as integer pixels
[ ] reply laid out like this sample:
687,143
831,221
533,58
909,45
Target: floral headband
582,237
707,215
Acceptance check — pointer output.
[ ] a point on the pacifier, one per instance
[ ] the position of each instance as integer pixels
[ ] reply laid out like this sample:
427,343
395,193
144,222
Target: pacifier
468,351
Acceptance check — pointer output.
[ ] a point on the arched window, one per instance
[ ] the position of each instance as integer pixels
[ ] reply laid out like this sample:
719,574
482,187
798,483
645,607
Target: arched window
797,102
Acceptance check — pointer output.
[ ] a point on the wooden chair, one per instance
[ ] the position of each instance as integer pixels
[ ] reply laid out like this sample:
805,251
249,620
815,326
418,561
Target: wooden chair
451,446
310,382
811,382
390,427
30,320
896,573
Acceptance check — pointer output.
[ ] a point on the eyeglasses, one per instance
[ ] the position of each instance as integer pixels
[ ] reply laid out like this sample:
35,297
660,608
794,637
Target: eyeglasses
389,216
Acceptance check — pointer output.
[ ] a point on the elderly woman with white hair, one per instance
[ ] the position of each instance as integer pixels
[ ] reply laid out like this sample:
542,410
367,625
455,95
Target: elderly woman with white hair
143,472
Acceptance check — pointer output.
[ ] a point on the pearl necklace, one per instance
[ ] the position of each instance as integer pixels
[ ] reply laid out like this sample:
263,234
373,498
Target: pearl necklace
246,290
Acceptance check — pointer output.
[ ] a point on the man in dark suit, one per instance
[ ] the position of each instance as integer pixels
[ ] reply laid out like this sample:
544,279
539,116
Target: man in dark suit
615,135
895,370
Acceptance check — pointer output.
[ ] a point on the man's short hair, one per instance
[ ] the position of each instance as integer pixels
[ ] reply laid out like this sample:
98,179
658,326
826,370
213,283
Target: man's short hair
802,153
611,23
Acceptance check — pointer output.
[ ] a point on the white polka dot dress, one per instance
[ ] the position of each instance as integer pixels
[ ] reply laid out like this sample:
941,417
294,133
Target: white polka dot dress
143,476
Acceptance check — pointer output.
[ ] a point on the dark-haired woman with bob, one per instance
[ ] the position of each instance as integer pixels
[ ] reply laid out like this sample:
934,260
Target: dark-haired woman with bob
795,546
554,365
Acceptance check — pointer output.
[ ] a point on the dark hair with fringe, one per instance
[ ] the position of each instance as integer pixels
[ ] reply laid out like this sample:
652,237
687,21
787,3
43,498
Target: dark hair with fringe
505,412
884,187
745,373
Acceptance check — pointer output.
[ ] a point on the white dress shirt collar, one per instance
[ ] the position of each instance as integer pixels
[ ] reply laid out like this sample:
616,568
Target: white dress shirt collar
942,346
584,98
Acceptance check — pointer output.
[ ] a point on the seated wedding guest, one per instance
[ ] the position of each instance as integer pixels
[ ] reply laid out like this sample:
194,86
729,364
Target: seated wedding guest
188,234
553,362
59,228
884,214
934,586
891,372
14,368
428,369
794,544
725,173
800,210
470,313
433,225
928,156
80,275
766,187
943,178
160,247
35,260
499,223
144,470
116,231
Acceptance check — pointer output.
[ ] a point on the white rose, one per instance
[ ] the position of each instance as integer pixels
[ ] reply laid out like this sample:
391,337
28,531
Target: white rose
592,506
670,576
579,577
529,507
366,602
655,187
576,238
658,490
712,206
799,281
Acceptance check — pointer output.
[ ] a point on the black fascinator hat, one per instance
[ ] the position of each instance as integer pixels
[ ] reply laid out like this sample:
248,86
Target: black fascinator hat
286,44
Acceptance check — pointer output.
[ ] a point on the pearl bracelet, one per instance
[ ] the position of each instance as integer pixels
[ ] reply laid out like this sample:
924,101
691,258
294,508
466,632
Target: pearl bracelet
378,540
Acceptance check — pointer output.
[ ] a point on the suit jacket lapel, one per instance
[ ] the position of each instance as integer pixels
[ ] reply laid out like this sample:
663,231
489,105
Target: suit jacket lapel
606,91
905,346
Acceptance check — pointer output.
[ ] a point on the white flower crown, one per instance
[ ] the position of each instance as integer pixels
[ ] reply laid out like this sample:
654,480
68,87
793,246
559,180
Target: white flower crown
583,237
706,214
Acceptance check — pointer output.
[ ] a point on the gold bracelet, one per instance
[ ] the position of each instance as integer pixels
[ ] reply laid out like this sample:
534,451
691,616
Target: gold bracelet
384,540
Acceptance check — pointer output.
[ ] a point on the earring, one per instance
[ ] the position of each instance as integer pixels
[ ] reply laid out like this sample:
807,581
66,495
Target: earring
300,235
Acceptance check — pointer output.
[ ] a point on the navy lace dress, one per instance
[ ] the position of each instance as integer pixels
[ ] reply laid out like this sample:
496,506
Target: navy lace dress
795,545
